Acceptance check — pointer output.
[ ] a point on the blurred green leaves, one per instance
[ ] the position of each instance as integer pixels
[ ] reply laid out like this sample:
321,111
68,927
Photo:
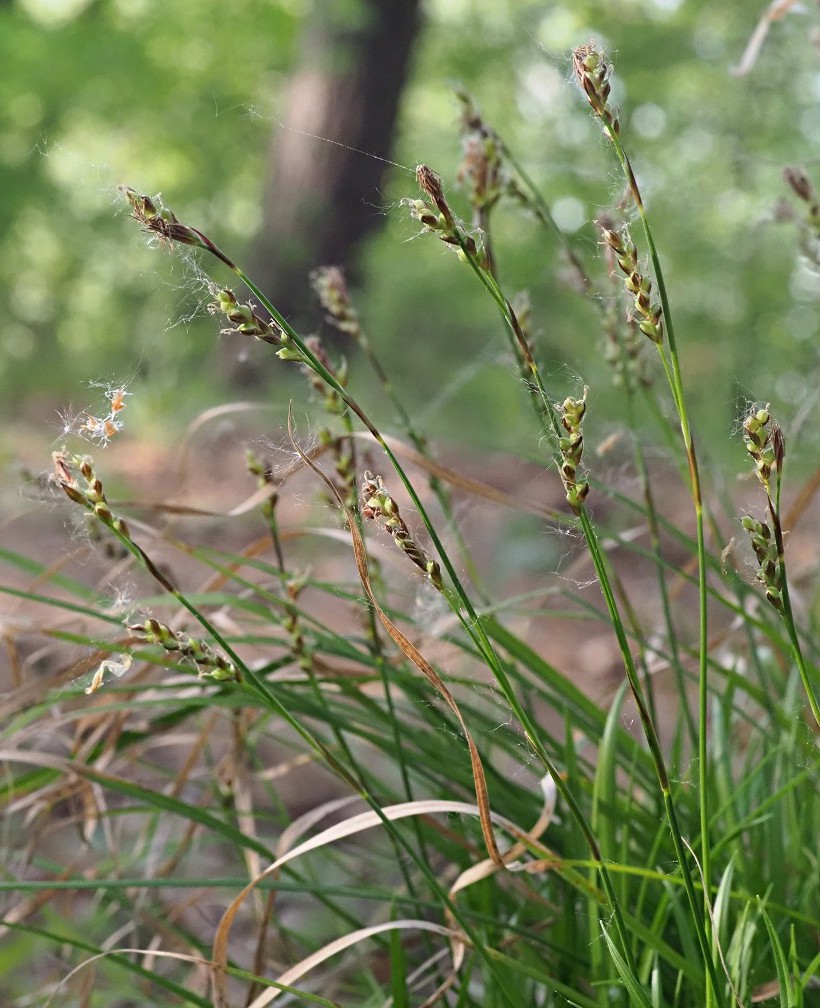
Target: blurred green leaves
169,97
182,99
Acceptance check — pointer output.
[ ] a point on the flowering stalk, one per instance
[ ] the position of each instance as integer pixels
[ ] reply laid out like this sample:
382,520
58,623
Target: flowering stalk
89,493
565,452
592,72
764,441
208,663
622,346
623,350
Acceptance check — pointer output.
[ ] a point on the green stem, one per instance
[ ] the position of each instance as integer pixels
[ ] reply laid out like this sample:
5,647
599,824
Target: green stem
787,613
676,386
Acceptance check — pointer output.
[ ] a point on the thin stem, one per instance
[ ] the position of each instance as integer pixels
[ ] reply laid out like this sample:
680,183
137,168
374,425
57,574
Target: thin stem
673,372
787,612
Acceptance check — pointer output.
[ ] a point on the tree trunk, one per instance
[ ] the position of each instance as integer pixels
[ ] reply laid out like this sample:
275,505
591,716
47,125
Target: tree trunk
321,199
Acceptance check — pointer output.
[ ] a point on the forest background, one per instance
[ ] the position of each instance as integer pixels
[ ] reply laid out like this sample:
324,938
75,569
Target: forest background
198,102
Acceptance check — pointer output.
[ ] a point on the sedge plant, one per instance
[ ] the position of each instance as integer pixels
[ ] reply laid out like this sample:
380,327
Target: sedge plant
557,859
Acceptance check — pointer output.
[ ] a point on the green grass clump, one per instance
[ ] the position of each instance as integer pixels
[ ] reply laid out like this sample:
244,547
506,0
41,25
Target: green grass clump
281,780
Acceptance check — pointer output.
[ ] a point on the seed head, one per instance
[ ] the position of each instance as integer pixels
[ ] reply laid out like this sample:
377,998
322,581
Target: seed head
572,448
377,504
592,74
648,315
162,222
769,571
429,182
208,663
245,320
764,442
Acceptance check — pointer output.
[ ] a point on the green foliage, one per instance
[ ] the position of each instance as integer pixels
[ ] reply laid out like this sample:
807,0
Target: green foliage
147,90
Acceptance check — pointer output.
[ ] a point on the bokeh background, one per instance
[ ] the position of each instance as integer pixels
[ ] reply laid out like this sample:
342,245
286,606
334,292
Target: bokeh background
207,103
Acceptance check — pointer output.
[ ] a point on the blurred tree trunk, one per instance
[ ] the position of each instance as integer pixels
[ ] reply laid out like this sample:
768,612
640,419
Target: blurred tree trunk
322,199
